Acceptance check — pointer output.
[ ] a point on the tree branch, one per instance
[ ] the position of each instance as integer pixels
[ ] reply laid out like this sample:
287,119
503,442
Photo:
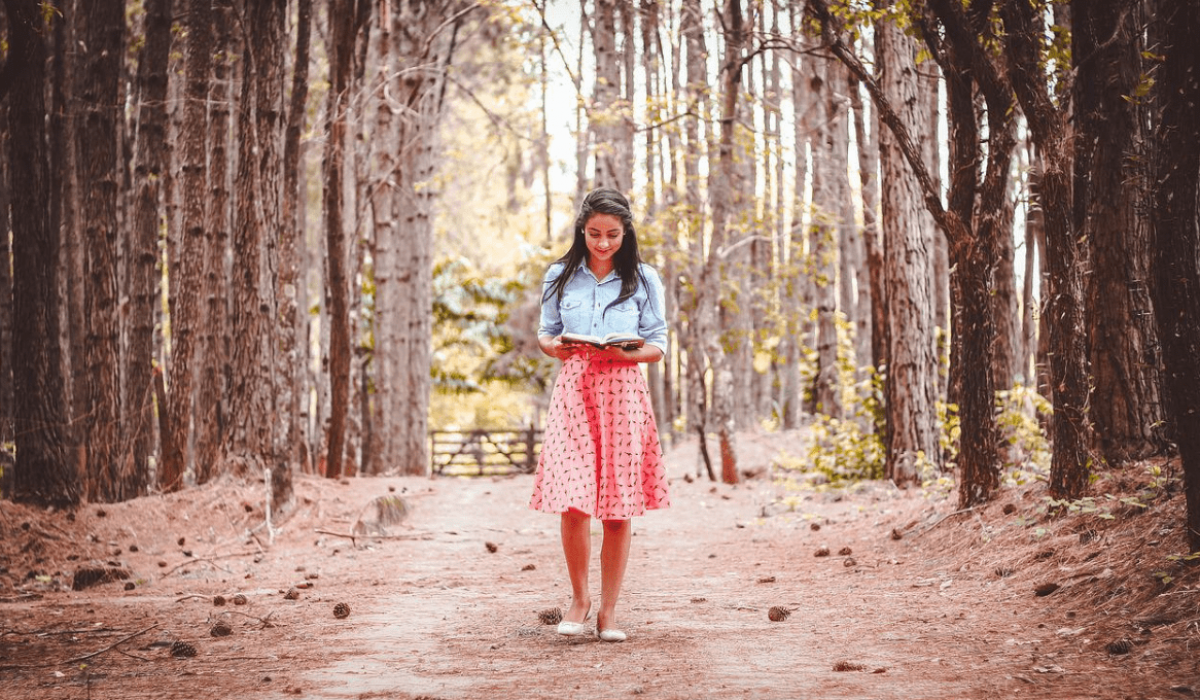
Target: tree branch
949,222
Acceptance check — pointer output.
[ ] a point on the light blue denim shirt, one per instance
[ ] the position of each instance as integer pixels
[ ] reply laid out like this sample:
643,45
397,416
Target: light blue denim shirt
584,299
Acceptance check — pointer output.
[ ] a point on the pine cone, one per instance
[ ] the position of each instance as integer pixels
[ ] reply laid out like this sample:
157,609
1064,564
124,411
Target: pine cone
550,616
292,594
821,552
218,601
1120,646
491,547
240,599
845,551
182,650
341,611
778,613
221,629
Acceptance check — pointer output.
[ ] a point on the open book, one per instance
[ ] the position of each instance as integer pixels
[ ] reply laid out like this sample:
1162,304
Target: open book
625,340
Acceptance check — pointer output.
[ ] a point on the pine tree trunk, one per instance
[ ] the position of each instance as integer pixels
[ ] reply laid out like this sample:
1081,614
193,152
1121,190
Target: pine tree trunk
724,185
797,283
186,311
6,299
1108,191
404,315
44,473
1070,462
824,229
293,313
211,410
912,366
250,442
64,203
691,27
605,115
1175,240
341,20
104,29
153,157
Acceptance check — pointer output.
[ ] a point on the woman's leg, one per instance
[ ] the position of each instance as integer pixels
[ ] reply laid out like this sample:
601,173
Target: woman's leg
614,555
577,546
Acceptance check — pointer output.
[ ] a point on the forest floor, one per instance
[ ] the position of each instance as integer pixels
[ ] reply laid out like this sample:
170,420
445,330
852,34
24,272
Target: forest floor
914,600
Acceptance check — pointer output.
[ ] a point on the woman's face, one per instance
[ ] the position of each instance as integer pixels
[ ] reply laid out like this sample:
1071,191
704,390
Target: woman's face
603,233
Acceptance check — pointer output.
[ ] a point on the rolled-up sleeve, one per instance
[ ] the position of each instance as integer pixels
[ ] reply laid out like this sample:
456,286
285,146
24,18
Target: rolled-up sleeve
551,321
652,325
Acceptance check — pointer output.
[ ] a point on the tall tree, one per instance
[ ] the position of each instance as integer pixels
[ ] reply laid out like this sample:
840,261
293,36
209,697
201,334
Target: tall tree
426,38
186,311
911,369
6,300
44,474
607,115
725,183
292,295
1108,192
211,405
152,157
1024,48
103,41
827,123
1176,238
250,442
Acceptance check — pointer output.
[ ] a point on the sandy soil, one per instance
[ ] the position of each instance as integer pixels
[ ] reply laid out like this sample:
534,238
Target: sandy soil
914,600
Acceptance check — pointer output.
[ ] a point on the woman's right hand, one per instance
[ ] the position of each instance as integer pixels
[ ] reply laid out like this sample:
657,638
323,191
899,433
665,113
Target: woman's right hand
556,348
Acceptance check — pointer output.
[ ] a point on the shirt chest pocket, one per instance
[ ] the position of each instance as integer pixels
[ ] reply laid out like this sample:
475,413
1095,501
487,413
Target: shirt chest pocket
575,315
623,317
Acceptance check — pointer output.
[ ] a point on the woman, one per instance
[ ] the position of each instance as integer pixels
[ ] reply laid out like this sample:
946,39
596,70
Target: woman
600,455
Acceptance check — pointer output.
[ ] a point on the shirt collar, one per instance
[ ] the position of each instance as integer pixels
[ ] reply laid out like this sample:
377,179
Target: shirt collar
610,276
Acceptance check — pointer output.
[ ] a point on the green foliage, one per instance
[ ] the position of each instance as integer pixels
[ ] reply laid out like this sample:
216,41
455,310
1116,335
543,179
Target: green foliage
842,451
1026,451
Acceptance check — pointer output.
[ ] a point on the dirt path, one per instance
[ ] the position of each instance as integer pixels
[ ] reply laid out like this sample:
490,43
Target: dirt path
435,614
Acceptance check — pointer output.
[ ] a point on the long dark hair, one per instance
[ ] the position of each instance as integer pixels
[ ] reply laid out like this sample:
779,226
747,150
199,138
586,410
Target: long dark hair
626,261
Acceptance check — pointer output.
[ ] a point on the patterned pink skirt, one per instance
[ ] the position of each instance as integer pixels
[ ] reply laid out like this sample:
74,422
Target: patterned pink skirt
600,452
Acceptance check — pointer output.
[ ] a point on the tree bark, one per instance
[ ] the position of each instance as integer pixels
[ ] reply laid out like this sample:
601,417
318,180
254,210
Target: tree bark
724,185
211,414
912,366
153,157
186,318
1108,192
6,300
824,229
1175,240
1070,461
293,314
250,442
44,474
341,20
612,167
104,30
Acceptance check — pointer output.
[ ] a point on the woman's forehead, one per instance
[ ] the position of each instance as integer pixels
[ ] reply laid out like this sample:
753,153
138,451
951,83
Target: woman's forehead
604,222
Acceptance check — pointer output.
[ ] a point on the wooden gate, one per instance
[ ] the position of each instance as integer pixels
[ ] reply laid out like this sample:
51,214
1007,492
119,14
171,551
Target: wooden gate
484,452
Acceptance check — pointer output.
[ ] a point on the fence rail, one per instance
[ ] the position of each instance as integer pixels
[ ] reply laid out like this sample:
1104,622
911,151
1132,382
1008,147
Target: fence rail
484,452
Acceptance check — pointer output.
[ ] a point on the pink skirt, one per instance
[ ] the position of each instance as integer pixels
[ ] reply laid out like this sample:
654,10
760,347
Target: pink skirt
600,452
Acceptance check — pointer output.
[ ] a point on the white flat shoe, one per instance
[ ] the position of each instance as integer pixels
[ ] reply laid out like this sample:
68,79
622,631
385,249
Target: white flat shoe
574,629
570,629
610,635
